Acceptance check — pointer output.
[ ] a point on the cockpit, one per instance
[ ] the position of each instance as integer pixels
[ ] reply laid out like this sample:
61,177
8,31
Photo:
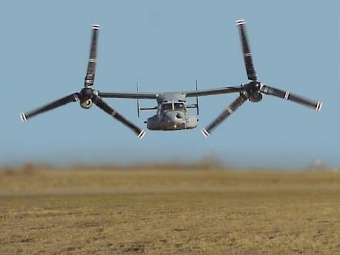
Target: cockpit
173,107
179,106
166,107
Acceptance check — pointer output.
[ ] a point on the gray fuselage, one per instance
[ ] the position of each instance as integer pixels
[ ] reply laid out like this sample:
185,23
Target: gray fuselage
172,114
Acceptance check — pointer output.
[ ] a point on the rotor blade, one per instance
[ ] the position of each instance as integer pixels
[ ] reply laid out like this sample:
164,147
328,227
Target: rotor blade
317,105
226,113
60,102
91,67
106,108
248,61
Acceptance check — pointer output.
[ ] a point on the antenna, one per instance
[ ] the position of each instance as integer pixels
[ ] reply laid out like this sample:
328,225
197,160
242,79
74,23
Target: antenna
138,108
197,107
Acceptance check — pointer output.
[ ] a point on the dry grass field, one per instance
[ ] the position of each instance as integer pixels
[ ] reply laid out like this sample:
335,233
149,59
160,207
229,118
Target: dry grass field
95,211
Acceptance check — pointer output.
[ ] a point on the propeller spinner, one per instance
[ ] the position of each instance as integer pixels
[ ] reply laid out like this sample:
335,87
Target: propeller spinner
253,90
87,95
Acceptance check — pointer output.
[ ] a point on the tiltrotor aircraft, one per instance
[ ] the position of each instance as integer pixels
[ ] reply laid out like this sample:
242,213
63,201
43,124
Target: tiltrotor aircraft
172,113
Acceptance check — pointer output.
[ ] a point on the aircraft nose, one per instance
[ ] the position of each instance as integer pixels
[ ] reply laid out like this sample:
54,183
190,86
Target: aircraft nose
180,115
176,116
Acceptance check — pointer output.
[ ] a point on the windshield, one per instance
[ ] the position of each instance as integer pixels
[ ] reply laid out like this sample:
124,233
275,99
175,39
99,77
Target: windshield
179,106
175,106
166,107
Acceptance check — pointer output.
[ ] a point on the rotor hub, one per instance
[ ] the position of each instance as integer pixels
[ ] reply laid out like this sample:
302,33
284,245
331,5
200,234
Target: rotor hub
253,87
86,98
87,92
253,91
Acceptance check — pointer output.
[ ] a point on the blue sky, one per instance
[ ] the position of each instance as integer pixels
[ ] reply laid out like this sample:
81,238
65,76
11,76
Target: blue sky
166,45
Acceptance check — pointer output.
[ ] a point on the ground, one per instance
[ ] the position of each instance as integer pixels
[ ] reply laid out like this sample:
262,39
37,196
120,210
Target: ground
169,211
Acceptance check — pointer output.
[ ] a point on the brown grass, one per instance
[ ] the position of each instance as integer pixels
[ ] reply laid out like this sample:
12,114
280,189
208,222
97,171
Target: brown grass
169,212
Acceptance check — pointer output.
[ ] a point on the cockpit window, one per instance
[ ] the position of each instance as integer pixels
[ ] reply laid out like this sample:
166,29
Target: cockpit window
179,106
175,106
166,107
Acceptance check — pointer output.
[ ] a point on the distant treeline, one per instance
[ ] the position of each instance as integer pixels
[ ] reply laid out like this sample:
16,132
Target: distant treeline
204,164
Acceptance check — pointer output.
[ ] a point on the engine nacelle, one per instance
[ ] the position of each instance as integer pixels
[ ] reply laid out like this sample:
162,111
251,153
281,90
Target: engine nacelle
86,104
255,97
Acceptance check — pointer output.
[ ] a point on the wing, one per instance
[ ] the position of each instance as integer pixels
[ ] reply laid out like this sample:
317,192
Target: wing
131,95
215,91
154,95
